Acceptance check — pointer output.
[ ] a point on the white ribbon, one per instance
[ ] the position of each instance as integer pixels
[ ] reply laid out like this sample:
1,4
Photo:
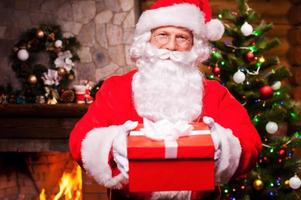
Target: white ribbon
168,132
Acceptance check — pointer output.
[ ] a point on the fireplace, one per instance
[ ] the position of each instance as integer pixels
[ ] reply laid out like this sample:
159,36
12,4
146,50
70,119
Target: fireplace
34,154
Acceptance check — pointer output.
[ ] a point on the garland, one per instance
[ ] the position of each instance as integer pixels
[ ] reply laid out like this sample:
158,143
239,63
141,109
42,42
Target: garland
40,82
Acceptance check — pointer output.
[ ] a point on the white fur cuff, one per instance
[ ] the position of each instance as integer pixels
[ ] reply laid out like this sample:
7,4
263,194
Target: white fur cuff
95,154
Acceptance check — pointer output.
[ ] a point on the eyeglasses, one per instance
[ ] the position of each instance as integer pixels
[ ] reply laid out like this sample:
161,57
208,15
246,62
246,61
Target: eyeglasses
181,40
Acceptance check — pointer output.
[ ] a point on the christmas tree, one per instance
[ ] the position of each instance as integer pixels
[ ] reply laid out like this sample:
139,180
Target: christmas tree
240,62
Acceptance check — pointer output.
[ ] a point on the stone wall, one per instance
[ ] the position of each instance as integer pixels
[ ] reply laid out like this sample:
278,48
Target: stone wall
103,27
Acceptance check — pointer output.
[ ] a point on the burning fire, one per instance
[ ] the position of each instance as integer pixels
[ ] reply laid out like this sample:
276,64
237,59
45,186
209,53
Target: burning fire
70,186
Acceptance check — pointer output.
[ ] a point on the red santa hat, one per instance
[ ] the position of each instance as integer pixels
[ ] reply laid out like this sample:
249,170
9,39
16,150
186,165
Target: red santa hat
194,15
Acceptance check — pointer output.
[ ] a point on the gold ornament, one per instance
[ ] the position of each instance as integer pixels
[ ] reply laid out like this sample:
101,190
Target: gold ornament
258,184
52,101
40,99
32,79
40,34
71,77
286,184
61,71
51,37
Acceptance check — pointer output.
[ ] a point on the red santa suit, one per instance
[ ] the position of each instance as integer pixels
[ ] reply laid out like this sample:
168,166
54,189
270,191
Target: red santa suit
114,106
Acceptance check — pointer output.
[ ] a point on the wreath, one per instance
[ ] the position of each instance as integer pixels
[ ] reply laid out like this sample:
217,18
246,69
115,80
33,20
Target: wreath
44,81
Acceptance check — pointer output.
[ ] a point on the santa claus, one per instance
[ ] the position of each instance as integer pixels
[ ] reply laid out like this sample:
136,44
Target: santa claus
171,40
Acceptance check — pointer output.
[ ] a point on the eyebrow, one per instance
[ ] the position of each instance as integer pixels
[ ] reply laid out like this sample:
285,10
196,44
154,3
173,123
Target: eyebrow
183,34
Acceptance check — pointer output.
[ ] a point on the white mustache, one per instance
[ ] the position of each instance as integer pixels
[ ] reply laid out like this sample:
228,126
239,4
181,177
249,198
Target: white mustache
164,54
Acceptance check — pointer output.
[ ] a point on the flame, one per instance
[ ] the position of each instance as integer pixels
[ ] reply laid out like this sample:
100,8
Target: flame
42,195
70,186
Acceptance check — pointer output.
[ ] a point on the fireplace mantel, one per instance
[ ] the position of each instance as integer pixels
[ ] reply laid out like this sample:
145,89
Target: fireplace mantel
37,127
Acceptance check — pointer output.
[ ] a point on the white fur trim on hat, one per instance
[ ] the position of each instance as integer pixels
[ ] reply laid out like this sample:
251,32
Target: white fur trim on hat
95,154
182,15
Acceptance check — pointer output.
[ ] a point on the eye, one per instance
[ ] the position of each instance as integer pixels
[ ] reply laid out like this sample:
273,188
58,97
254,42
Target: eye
162,34
182,38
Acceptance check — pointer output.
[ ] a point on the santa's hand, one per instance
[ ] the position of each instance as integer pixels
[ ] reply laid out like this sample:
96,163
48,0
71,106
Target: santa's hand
216,139
227,151
120,147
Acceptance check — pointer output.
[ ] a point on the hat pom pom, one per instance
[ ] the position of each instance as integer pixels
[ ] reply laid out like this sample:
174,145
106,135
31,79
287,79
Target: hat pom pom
214,29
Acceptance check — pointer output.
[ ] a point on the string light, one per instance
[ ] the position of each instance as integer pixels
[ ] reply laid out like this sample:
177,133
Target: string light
252,48
254,73
256,119
256,33
293,115
271,193
278,181
297,135
217,55
261,59
278,93
235,47
258,64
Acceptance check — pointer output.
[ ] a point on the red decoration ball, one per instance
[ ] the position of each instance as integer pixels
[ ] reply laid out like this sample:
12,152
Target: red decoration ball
250,56
281,152
216,70
266,91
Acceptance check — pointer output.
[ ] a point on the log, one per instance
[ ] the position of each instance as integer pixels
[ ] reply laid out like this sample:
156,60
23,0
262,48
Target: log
274,11
281,50
279,30
296,93
294,36
294,15
296,75
295,1
294,55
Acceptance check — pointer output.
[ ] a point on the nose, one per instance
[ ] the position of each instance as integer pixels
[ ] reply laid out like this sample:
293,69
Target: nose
171,45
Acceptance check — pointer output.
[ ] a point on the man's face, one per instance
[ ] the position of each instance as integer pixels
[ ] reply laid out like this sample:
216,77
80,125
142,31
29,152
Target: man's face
172,38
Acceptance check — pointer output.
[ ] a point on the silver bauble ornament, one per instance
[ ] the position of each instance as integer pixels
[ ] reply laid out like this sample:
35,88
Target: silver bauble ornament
294,182
276,85
239,77
58,44
271,127
246,29
23,54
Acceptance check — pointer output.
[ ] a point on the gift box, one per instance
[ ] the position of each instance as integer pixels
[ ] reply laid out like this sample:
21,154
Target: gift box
185,164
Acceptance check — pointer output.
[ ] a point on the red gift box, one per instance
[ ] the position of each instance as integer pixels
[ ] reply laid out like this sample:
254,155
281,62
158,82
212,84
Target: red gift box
150,169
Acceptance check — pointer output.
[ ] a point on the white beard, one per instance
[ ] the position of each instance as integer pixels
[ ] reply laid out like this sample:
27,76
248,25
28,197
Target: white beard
167,87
